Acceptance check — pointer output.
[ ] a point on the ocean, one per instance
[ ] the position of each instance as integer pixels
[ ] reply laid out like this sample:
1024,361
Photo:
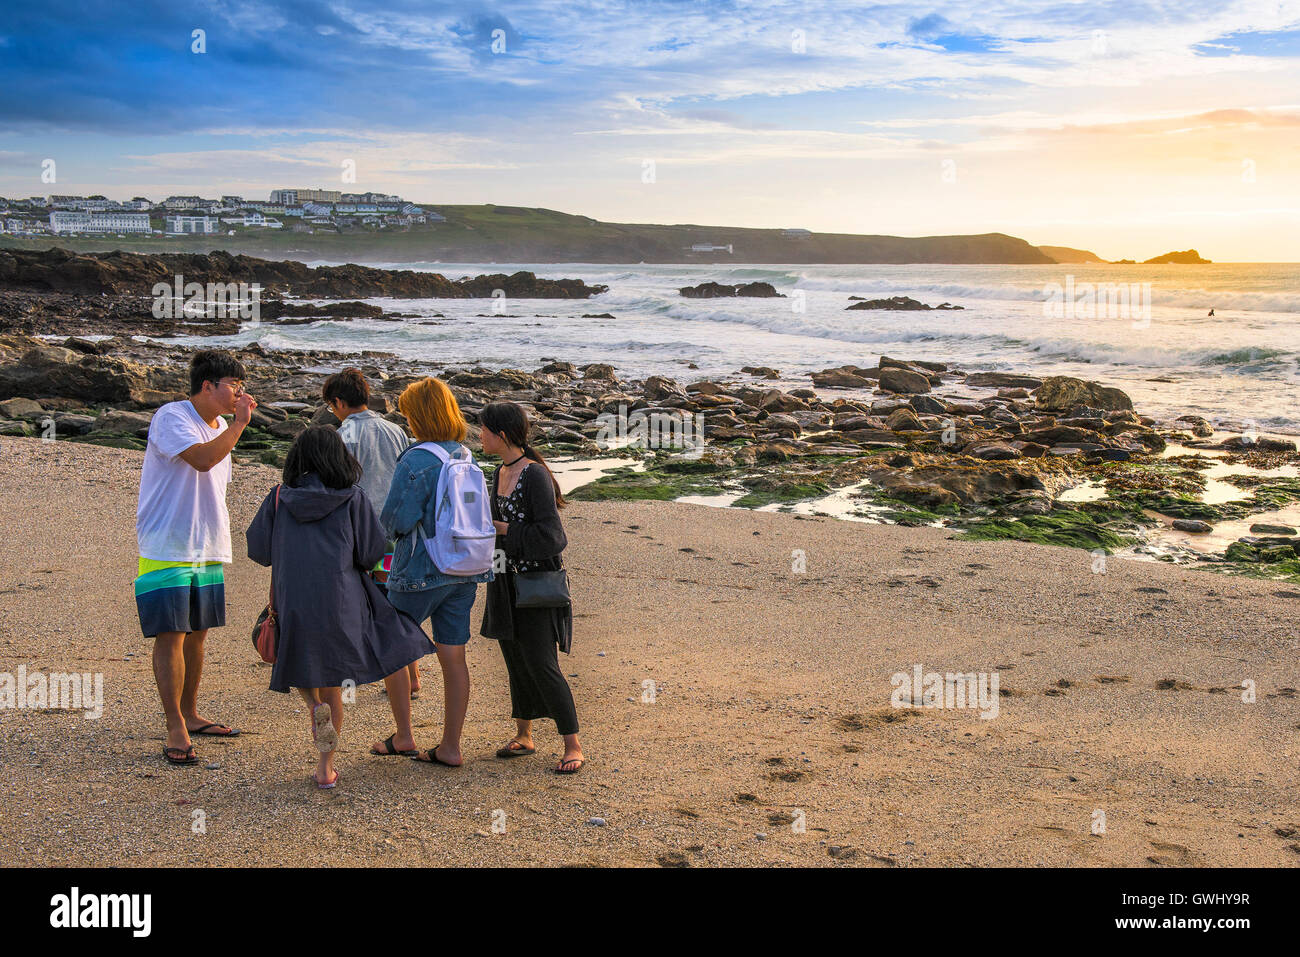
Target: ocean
1239,368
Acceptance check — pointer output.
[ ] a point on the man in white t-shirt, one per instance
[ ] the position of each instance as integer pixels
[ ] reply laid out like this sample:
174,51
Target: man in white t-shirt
183,532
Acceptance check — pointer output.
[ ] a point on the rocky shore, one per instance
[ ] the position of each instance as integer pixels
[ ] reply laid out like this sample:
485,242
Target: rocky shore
905,442
55,291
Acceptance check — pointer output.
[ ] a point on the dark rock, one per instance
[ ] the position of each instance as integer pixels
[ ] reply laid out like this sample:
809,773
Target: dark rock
763,372
20,408
1060,434
715,290
999,379
838,379
657,388
904,420
927,405
897,303
71,423
1198,426
992,451
1192,525
1030,450
914,364
289,428
48,371
1059,393
774,400
501,380
943,484
1257,443
135,273
325,416
903,381
128,423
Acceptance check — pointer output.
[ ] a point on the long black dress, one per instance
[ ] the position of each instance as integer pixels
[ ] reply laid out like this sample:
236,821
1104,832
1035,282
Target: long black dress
529,636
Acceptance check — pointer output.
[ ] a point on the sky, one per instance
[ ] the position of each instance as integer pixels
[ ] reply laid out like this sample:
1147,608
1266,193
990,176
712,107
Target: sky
1127,127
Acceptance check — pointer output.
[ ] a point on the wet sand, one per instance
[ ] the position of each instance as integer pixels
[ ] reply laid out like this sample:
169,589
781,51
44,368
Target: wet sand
1122,697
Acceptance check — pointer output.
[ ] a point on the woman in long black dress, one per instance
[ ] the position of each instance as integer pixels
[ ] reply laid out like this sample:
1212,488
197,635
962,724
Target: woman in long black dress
525,509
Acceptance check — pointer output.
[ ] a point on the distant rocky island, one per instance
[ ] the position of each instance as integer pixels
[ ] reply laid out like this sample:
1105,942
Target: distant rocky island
1187,256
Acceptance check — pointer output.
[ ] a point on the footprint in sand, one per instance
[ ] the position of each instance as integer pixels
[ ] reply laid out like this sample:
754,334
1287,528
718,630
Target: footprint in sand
789,777
1170,855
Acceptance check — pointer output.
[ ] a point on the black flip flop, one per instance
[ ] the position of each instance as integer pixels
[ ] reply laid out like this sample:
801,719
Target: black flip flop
509,752
228,733
433,758
389,749
187,755
581,762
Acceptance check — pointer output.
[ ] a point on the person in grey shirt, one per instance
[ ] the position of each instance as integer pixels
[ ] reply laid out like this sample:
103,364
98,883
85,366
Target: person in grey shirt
373,440
376,443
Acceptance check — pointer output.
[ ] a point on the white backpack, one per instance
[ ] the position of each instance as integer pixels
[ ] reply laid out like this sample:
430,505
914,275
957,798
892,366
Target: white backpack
464,537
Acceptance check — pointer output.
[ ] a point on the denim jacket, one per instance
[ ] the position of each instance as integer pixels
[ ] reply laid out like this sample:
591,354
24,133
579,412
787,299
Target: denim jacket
411,501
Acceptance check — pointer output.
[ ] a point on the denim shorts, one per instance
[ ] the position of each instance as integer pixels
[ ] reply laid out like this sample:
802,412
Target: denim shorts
446,606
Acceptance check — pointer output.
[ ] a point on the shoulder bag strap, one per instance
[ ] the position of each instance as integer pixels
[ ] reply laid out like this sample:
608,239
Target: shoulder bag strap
270,601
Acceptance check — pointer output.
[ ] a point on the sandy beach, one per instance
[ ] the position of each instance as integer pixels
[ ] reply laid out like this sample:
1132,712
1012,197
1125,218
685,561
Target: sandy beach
1121,696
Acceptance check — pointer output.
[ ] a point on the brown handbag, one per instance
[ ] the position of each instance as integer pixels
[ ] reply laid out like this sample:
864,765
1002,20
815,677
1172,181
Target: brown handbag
266,633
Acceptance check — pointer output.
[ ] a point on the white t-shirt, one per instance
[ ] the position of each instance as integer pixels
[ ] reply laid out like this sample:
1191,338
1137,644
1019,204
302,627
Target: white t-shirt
182,514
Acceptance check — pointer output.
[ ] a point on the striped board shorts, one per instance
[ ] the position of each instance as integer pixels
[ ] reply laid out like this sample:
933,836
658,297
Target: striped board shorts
385,565
180,596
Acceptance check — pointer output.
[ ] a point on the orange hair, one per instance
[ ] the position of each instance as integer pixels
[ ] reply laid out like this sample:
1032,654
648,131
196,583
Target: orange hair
433,411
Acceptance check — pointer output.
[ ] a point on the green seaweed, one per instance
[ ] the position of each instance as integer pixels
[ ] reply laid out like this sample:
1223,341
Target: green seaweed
1070,528
782,492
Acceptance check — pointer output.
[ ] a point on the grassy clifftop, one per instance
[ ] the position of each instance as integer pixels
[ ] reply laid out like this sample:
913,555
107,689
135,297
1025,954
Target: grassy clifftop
519,234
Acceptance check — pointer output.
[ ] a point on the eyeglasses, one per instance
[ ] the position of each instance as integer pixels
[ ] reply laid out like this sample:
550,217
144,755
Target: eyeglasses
236,385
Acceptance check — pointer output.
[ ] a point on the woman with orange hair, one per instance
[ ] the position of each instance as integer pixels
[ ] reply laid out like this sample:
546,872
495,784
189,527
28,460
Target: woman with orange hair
415,584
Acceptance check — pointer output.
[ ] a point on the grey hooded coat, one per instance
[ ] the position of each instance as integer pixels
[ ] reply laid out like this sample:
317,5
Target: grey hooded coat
336,624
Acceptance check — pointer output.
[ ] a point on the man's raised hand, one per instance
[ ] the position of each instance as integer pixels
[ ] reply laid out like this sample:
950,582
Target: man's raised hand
244,407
